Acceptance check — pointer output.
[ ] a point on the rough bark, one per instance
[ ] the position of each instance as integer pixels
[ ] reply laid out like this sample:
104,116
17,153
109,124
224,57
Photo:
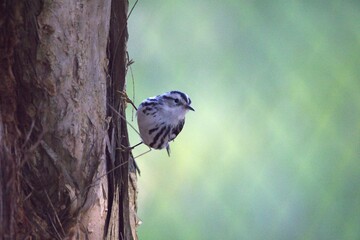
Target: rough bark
55,93
122,181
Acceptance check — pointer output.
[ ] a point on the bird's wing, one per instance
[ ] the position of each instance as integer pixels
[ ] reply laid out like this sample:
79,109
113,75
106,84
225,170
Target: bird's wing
176,130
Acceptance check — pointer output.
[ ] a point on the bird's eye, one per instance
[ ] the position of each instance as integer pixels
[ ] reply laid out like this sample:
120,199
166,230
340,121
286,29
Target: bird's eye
176,100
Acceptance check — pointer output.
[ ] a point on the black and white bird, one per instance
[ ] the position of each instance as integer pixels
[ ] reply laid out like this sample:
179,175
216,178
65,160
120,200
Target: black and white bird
161,118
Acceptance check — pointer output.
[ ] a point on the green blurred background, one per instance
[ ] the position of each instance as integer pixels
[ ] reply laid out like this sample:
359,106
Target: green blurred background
273,149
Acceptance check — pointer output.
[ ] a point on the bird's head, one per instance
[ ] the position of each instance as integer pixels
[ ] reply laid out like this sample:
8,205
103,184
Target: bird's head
177,102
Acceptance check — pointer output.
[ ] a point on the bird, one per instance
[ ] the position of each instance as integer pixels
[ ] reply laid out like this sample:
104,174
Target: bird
161,118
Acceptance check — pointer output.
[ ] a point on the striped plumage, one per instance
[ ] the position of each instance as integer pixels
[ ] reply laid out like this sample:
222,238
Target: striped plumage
161,118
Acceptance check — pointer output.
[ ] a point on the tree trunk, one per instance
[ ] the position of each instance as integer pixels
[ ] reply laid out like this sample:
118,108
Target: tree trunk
62,65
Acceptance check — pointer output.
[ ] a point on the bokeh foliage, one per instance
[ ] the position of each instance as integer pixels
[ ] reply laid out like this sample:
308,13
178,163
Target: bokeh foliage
273,149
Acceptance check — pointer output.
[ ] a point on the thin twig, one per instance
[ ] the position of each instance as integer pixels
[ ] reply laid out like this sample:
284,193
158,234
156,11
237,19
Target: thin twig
29,133
132,9
124,119
133,85
54,227
101,176
98,178
143,153
56,216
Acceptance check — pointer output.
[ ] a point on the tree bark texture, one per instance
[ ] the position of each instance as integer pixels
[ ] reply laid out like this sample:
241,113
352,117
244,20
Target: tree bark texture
122,181
58,134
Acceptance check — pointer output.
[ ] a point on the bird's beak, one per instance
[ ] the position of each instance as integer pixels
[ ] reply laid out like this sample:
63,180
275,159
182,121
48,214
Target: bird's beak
189,107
